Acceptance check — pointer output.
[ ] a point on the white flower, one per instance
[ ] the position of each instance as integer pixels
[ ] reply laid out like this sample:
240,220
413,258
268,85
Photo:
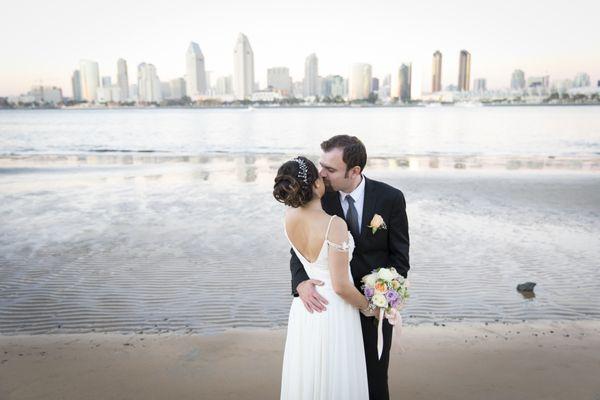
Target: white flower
379,300
385,274
376,223
370,279
395,273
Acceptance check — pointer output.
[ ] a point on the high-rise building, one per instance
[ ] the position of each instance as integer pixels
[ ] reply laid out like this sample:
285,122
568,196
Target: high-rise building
436,74
542,82
561,86
165,90
177,88
375,85
149,90
404,82
338,86
224,86
106,81
480,85
311,76
464,71
195,71
243,68
123,79
76,85
211,77
46,94
133,92
90,79
385,87
278,79
517,80
332,86
581,80
359,86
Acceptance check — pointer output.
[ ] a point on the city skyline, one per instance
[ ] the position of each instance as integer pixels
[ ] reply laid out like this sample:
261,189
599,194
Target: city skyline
283,34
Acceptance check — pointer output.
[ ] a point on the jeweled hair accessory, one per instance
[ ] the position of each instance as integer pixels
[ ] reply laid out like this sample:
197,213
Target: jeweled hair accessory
303,173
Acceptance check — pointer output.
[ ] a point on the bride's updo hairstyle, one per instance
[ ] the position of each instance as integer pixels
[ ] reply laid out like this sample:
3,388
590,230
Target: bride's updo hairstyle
294,182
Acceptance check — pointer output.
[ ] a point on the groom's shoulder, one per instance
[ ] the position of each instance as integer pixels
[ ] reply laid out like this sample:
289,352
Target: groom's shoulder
384,189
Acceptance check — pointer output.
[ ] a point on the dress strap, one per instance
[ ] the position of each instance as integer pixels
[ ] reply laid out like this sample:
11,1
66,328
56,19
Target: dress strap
329,226
340,247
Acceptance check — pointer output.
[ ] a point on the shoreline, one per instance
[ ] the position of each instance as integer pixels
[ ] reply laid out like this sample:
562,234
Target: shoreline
309,106
390,162
531,360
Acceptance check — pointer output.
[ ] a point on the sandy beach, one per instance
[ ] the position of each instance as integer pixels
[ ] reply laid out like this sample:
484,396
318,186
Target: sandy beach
528,360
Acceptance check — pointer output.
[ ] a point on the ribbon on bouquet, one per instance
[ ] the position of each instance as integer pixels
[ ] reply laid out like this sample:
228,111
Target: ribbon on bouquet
395,319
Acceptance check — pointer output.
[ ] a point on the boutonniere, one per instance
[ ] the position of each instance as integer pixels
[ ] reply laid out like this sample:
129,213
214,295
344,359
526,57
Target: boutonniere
377,223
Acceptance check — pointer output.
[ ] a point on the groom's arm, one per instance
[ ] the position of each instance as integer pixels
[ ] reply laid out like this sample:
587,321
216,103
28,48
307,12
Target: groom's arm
398,236
298,272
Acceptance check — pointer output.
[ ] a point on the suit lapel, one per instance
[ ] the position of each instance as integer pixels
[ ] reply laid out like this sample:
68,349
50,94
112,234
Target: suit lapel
369,203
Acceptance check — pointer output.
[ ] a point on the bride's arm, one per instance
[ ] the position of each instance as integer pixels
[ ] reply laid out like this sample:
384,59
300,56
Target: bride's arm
338,265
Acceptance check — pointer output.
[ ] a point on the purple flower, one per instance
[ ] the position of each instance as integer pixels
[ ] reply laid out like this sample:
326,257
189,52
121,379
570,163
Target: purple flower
394,303
369,292
392,296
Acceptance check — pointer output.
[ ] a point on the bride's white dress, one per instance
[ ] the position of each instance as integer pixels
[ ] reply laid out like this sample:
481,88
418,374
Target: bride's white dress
324,354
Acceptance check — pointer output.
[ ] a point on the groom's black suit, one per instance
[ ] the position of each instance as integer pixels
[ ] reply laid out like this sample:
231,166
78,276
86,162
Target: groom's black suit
386,248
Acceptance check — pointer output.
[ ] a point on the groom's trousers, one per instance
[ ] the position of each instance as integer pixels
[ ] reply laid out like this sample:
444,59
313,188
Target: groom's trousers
377,369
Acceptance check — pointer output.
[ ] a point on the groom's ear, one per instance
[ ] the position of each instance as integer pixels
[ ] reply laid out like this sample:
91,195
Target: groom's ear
356,170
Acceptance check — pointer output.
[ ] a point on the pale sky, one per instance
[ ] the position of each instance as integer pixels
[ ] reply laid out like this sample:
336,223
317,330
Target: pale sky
43,41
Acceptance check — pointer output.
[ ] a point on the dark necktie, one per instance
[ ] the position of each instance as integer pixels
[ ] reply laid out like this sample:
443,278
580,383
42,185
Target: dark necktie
352,218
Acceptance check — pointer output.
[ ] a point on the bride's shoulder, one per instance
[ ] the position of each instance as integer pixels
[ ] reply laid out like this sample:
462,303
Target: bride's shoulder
338,231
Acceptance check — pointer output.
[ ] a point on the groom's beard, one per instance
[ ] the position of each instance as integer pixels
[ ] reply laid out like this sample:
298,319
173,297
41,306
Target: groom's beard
328,187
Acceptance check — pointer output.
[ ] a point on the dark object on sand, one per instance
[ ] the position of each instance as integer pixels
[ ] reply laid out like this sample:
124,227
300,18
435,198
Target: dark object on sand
526,287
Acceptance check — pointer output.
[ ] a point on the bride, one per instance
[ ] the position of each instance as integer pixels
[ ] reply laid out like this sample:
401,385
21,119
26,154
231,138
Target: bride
324,355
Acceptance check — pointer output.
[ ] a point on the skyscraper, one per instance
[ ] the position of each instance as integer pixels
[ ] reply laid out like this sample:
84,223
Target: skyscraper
538,82
278,79
224,85
479,85
436,74
123,79
243,68
375,85
464,71
359,86
517,80
581,80
106,81
90,79
177,88
311,76
195,72
76,85
332,86
405,82
148,84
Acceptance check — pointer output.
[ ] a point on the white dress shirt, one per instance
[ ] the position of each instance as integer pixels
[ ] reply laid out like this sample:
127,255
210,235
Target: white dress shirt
358,195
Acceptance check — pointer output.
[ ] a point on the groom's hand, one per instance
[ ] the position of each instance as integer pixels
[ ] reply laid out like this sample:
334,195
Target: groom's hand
312,300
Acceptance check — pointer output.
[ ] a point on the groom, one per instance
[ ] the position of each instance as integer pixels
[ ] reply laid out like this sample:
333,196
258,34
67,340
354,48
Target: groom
357,199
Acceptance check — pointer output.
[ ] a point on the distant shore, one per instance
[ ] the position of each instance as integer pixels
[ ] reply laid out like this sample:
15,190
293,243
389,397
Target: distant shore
301,106
529,360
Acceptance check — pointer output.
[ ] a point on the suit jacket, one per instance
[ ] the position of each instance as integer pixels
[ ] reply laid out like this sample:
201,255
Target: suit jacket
386,248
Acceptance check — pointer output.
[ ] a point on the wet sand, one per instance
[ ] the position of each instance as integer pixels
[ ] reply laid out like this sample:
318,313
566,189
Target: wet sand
129,248
528,360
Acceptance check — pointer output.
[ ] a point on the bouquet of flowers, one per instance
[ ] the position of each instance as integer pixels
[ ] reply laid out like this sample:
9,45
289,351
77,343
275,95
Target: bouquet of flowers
387,292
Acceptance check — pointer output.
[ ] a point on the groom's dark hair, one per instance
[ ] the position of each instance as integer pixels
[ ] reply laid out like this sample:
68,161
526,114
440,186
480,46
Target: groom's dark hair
354,151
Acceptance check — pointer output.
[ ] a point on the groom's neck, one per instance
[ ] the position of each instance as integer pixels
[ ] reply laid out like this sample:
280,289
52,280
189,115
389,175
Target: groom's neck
355,184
